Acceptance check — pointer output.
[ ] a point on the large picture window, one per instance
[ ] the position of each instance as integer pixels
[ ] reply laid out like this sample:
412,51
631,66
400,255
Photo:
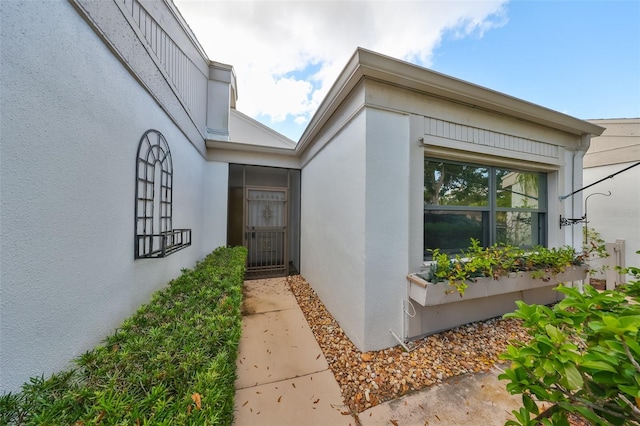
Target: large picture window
491,204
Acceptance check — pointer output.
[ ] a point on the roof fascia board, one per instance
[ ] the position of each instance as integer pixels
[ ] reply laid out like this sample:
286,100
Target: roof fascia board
187,29
367,64
234,146
346,81
253,158
430,82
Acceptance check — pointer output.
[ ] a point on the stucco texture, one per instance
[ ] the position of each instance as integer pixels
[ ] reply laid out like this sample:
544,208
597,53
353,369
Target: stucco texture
72,117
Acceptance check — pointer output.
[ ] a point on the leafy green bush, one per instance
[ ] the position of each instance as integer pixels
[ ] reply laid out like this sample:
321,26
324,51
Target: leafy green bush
172,362
497,261
583,357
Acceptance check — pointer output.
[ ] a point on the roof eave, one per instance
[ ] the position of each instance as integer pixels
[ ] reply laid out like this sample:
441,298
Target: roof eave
233,146
368,64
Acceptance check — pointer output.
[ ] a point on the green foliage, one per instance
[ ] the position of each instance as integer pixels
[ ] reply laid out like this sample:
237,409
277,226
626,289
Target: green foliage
497,261
172,362
593,249
582,358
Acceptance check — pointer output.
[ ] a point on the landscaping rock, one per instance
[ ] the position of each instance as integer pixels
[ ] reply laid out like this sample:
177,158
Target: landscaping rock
367,379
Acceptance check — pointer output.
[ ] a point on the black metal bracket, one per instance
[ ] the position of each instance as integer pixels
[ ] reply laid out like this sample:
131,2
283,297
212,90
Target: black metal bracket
566,221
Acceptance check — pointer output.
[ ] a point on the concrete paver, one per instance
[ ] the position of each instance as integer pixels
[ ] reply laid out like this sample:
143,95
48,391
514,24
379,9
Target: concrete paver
283,376
477,399
308,400
276,346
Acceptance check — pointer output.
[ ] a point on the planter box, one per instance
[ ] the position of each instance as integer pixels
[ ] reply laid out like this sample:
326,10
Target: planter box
430,294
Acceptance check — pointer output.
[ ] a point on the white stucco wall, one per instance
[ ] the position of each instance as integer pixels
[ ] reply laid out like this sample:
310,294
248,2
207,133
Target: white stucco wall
332,237
618,215
72,117
401,127
387,225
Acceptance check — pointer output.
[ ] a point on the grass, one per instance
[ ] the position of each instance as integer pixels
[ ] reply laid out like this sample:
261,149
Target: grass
172,362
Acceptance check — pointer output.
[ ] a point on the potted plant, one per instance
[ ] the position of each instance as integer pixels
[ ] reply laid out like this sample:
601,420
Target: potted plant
485,271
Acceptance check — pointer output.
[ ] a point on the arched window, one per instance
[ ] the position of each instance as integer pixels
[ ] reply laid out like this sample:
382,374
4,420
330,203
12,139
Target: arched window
154,233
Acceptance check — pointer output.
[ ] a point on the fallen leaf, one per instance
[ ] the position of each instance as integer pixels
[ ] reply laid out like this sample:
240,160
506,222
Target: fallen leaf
316,401
421,407
345,413
394,422
198,400
279,398
245,403
437,417
294,385
318,356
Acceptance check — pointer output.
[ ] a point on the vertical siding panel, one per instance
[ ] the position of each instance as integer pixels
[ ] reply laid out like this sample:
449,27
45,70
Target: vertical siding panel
439,128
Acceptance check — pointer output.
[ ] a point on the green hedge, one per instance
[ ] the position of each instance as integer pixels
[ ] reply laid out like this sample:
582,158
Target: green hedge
172,362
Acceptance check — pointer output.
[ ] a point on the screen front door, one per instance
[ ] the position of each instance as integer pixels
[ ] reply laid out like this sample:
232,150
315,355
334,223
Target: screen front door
266,231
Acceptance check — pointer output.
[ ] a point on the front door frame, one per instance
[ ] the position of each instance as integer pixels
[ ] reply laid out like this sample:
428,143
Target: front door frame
273,264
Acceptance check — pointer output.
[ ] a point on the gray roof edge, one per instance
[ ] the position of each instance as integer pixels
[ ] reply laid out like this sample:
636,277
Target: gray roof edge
366,63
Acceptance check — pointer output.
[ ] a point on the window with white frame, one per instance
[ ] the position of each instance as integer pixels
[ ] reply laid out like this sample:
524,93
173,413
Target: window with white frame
494,205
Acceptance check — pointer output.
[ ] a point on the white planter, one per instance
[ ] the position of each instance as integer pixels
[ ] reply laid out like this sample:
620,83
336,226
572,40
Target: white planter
430,294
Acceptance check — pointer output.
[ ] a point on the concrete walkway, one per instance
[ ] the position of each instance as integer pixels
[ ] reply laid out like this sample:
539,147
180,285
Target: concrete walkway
476,399
284,379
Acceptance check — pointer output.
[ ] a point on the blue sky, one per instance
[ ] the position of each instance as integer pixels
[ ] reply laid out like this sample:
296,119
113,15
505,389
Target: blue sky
581,58
577,57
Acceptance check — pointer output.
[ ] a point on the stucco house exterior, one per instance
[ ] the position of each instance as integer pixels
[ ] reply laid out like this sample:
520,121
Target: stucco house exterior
123,160
613,204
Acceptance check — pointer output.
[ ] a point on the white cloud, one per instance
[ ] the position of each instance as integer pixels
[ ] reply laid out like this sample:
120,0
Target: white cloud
287,54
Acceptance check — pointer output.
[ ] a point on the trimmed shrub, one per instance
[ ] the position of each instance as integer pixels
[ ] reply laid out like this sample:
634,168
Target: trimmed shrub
172,362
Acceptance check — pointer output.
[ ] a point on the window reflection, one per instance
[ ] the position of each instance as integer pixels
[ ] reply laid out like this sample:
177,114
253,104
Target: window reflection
451,231
491,204
518,189
455,184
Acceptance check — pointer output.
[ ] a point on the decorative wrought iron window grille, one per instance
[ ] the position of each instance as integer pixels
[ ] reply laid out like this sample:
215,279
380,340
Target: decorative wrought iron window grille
154,233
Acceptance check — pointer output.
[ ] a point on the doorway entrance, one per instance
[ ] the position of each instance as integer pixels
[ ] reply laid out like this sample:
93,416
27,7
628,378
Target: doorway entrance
264,216
266,231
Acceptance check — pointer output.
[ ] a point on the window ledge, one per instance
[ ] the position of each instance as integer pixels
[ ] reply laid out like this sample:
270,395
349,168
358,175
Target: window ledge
154,246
